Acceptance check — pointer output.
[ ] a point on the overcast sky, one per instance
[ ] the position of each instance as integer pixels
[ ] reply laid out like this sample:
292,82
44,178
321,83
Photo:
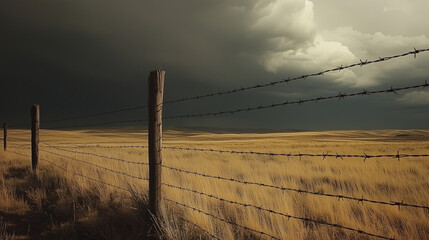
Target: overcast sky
84,56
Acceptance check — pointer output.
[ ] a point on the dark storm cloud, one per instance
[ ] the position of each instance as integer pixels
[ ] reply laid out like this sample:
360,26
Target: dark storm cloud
77,57
200,37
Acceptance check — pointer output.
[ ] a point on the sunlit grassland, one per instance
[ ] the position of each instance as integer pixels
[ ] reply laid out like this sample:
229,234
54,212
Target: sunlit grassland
384,179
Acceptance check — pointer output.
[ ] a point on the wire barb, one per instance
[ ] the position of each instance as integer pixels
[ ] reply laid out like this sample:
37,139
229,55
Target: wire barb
398,156
363,62
416,52
341,95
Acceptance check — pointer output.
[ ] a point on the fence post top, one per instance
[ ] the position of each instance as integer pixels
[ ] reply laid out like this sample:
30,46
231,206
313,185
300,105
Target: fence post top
157,72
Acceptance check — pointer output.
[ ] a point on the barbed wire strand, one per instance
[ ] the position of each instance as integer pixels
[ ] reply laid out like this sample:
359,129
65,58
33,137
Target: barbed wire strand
27,125
99,146
364,156
221,219
21,139
262,85
97,124
83,176
288,216
21,147
93,143
20,154
95,114
18,144
302,191
95,155
339,96
95,165
199,227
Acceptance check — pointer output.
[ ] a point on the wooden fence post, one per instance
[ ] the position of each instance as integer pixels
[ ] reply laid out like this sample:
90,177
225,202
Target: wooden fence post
5,136
35,124
155,101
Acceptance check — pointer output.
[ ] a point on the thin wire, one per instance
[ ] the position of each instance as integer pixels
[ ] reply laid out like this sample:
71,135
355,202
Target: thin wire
95,165
360,64
98,124
201,228
92,143
21,139
288,216
21,147
96,155
95,114
27,125
297,190
220,219
20,154
100,146
83,176
339,96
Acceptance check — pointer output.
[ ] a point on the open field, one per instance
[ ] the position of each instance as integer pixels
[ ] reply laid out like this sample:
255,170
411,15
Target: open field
80,204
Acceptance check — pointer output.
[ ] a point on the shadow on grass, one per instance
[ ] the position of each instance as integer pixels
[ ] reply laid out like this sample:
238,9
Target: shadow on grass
61,210
16,172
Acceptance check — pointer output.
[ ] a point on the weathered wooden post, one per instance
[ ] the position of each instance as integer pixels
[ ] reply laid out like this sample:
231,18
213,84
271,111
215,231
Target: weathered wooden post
5,136
35,124
155,101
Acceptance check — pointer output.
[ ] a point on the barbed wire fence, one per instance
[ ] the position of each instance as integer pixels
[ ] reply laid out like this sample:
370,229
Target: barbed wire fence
154,149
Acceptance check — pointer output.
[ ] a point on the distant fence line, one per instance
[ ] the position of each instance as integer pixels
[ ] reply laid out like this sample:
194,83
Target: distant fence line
155,107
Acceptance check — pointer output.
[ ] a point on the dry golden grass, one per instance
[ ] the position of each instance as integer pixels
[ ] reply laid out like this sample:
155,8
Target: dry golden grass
4,235
10,202
383,179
